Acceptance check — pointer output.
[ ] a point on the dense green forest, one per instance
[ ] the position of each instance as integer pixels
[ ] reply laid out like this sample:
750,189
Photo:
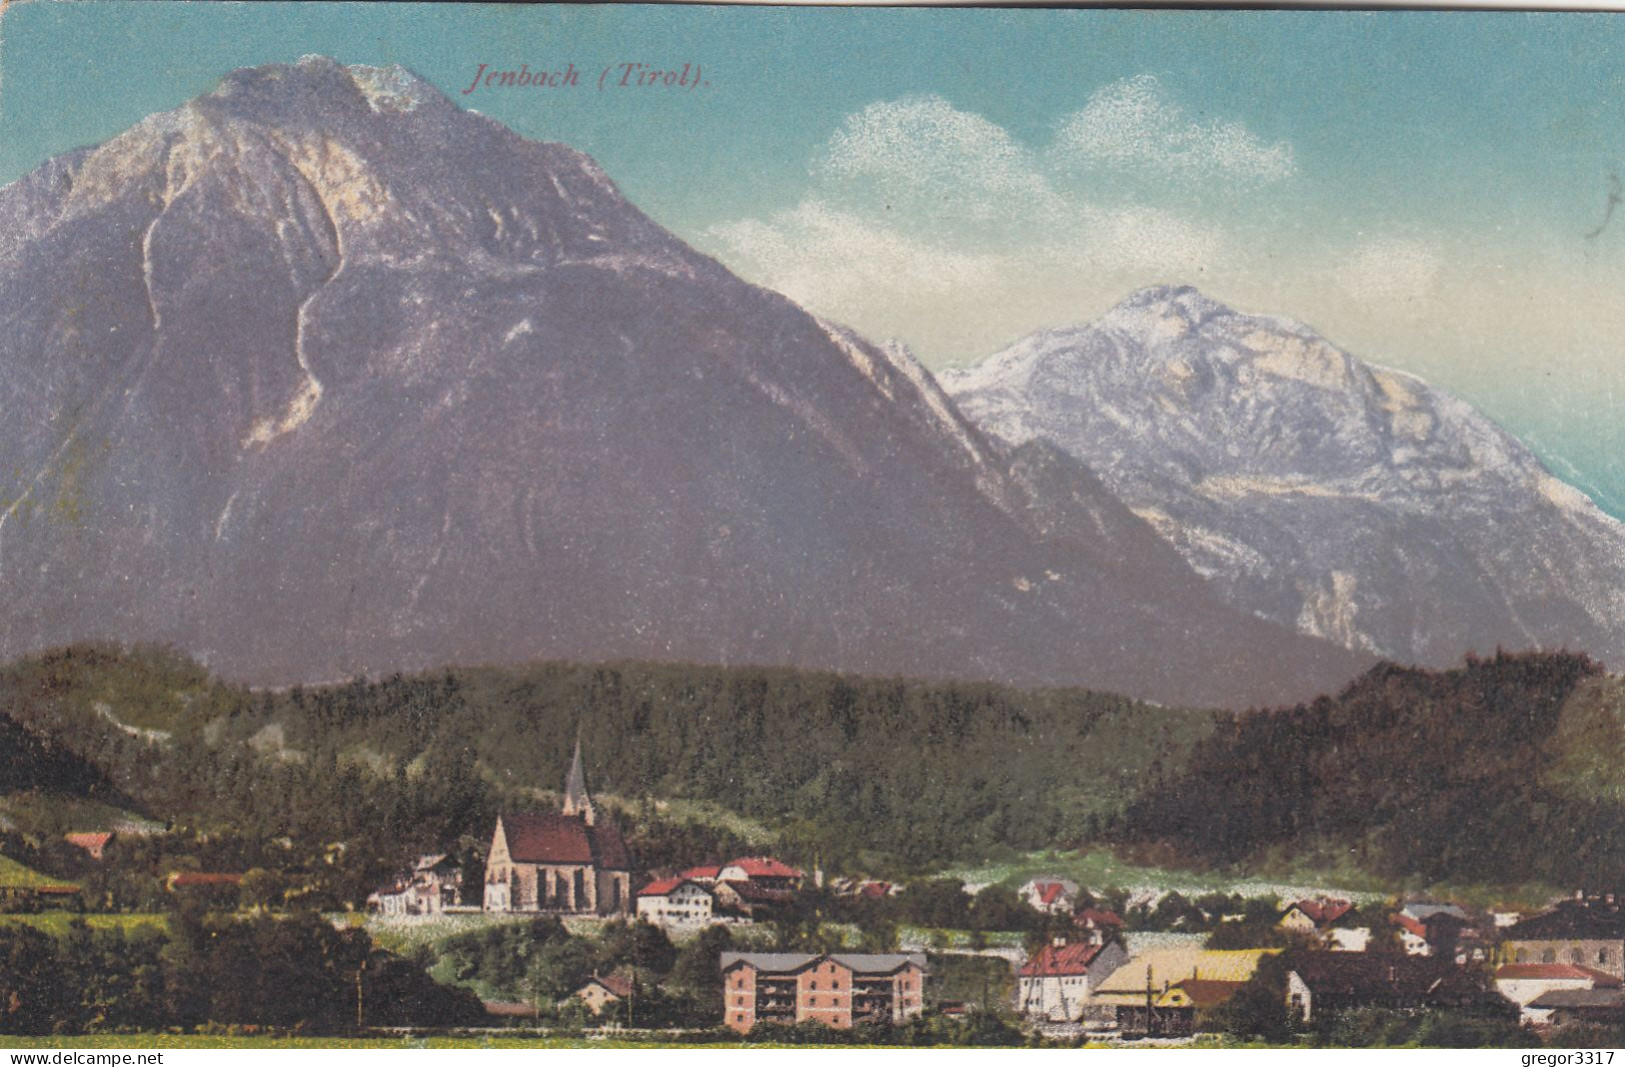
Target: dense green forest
1504,769
916,774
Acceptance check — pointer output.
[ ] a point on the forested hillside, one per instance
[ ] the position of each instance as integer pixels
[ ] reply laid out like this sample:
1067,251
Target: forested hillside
919,773
1504,769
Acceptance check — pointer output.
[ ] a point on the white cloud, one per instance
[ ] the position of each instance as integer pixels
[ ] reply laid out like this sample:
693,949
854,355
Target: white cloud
924,145
1391,272
1135,123
831,260
941,226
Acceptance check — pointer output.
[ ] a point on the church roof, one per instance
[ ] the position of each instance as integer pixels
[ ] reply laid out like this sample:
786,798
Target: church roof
551,837
576,799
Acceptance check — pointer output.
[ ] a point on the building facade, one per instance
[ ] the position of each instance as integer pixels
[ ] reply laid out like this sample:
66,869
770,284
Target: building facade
567,862
676,902
1583,933
1058,982
840,990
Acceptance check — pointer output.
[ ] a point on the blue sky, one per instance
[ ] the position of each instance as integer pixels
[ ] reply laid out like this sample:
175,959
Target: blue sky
1415,185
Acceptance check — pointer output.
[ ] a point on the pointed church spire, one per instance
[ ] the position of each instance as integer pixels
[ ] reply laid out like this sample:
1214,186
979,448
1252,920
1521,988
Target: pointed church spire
576,800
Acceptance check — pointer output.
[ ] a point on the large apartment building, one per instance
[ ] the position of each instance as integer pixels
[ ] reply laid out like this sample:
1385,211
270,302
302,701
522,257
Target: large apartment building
839,990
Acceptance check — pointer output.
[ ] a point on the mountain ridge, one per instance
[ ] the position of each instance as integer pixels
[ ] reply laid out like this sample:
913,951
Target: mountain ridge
304,397
1350,500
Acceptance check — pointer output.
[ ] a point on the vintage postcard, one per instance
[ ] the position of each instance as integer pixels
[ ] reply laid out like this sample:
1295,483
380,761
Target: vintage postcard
543,526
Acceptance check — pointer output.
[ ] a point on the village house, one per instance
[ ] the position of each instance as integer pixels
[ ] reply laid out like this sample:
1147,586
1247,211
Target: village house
748,901
1443,930
1101,924
1056,896
1524,983
676,902
1313,917
1120,1001
705,875
432,885
1348,939
1587,932
1578,1007
601,992
1322,983
1058,981
218,888
567,862
94,844
840,990
747,888
762,872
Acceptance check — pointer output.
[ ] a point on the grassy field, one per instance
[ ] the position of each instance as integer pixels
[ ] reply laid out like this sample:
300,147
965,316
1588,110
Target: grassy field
56,922
37,812
13,873
1100,869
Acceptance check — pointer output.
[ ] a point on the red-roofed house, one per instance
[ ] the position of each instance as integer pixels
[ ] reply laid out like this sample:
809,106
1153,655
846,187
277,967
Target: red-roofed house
764,872
1057,896
702,875
601,992
1056,983
1105,922
216,888
1435,933
676,902
1313,916
563,862
1522,983
94,844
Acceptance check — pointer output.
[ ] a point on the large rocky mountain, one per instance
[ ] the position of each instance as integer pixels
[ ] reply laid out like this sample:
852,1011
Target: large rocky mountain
1354,502
319,374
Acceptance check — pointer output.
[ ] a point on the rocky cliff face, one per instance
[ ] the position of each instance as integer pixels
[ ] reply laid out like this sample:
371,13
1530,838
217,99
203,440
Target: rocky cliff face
1353,502
319,374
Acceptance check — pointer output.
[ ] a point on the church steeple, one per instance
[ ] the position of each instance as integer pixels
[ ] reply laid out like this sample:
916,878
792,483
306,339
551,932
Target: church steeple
576,800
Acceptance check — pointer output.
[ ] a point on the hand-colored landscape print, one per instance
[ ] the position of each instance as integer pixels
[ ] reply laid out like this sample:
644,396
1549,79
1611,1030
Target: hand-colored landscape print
530,526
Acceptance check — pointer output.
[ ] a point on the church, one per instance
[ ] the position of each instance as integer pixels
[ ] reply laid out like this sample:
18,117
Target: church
565,862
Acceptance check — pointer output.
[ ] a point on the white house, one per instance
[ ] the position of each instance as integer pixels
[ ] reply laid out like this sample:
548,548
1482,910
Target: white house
1056,984
676,902
1058,896
1349,939
1524,983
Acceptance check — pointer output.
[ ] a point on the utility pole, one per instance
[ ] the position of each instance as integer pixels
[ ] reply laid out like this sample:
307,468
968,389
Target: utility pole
359,971
1150,1027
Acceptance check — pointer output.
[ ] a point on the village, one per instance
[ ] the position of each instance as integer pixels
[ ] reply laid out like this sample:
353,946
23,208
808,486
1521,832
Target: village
1052,960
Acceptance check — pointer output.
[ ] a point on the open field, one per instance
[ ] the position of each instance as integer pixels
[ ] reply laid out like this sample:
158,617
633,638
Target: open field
1283,876
1100,868
56,922
39,812
13,873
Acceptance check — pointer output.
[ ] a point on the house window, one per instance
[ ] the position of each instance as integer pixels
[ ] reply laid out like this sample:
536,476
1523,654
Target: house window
1602,955
1549,956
